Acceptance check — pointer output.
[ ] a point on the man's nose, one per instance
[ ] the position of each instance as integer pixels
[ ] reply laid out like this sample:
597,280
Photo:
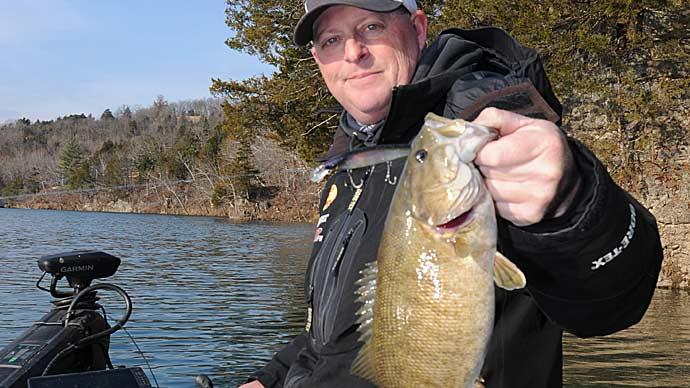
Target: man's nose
354,49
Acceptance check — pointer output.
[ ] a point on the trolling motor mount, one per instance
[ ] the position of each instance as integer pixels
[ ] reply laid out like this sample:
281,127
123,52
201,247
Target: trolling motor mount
73,339
79,267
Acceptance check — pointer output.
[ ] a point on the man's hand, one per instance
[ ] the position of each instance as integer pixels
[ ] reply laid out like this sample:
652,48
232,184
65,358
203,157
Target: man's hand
529,169
253,384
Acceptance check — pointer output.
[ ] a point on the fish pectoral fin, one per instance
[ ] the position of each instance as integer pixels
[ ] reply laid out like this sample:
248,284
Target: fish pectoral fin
364,364
507,275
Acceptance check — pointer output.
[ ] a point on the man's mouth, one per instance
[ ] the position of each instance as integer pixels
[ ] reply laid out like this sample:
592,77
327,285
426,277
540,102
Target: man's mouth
362,75
457,222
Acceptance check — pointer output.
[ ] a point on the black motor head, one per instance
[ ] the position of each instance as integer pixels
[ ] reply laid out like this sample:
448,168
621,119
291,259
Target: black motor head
80,267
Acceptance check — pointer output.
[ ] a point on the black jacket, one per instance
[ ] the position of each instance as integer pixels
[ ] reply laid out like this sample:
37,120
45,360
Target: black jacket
591,271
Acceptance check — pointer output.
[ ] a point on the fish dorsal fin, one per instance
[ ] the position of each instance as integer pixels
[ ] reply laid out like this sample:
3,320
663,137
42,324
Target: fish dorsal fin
364,365
507,275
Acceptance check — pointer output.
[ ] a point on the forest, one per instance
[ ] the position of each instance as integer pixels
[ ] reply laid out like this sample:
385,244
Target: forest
174,155
619,67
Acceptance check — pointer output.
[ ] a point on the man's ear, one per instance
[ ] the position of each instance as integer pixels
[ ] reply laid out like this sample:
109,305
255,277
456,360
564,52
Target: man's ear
421,23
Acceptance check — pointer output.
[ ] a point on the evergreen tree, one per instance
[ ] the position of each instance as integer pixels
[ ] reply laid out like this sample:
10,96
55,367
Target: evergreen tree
107,115
70,157
14,187
114,172
244,176
241,177
73,167
186,148
288,102
210,150
147,157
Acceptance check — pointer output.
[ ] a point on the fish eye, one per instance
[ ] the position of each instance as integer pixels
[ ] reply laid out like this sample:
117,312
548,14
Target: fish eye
420,156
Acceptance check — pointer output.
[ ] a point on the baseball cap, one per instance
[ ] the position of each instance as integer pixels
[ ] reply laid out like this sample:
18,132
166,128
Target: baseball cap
314,8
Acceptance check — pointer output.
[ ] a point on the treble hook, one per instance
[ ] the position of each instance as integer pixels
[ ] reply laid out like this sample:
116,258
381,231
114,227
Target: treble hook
388,174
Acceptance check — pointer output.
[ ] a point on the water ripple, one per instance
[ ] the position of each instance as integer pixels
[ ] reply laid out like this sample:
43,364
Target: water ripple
210,296
653,353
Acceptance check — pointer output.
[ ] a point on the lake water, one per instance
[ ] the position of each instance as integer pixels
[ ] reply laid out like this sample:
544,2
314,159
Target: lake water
216,297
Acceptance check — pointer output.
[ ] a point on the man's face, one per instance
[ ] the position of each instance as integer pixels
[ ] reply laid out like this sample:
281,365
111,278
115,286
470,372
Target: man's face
362,55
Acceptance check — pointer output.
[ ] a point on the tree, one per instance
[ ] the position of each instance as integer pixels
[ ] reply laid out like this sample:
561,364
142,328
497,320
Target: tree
124,112
133,127
107,115
244,176
114,171
14,187
240,176
72,165
186,149
147,156
210,150
286,103
160,106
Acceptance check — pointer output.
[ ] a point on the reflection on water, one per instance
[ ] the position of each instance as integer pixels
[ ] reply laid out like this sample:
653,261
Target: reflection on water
653,353
215,297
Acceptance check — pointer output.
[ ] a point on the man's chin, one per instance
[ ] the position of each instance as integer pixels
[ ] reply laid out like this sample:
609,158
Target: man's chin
369,112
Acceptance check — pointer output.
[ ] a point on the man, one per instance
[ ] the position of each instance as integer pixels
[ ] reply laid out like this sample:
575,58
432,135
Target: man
590,252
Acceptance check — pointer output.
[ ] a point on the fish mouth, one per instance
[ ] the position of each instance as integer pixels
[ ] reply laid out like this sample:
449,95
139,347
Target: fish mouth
456,223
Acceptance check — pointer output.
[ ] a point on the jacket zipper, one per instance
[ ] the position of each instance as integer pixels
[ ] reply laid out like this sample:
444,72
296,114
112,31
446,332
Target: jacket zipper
328,288
331,269
343,246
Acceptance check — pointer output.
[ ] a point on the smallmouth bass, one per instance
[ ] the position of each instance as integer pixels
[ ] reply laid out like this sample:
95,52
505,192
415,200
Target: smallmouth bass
428,300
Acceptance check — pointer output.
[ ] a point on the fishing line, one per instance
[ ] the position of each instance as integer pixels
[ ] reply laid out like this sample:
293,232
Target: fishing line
142,356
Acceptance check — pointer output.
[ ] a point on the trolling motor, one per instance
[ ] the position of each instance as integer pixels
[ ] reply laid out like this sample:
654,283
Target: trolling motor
80,268
68,347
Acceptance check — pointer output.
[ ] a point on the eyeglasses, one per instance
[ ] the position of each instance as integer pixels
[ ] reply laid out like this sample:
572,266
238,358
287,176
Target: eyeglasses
334,45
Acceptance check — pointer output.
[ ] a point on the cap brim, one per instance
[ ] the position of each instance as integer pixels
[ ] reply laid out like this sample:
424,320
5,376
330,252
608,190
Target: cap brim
304,30
305,26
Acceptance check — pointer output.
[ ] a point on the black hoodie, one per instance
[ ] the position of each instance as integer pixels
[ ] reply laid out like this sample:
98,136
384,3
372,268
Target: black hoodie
591,271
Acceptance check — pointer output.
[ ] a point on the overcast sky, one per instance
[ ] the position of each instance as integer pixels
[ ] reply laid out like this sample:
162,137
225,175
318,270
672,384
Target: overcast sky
61,57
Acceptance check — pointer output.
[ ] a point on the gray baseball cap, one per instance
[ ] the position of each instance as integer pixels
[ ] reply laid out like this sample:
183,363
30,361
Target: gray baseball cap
313,8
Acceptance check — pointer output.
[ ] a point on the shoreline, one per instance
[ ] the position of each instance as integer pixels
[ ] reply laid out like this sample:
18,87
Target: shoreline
295,209
673,221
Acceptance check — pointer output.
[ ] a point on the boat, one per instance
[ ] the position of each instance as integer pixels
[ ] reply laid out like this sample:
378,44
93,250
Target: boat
68,346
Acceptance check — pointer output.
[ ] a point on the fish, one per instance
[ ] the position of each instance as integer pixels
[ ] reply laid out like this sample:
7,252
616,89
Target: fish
427,301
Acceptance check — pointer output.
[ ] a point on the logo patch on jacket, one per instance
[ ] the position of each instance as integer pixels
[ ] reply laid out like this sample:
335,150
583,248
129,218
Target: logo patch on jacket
318,234
332,194
625,241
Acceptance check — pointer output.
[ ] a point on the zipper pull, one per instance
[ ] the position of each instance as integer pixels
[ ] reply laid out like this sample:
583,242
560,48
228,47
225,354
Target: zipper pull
341,252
